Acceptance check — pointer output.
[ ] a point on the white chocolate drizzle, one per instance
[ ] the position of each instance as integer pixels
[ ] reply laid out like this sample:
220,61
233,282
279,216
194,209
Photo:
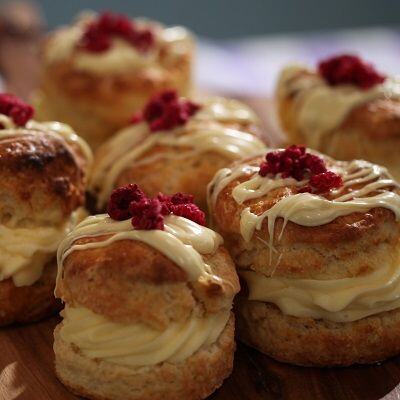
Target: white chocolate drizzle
137,344
321,108
182,241
306,209
201,134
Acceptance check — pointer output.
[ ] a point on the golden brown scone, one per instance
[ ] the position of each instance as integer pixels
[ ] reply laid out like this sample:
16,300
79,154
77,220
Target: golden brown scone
179,158
155,305
97,92
32,303
367,125
320,267
43,176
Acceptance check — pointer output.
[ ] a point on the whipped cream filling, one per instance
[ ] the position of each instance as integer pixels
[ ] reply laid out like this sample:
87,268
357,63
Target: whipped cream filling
120,57
322,108
337,300
182,241
127,147
25,251
136,345
59,129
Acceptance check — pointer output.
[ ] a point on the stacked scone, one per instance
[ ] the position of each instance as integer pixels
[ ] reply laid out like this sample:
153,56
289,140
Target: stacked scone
345,108
99,70
42,173
148,292
316,242
175,145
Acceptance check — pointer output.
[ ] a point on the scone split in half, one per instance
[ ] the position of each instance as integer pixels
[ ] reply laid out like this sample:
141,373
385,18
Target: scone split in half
316,242
43,174
148,294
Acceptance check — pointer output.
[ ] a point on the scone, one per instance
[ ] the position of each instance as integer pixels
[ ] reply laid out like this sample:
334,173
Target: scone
317,244
175,145
148,294
344,108
103,67
42,185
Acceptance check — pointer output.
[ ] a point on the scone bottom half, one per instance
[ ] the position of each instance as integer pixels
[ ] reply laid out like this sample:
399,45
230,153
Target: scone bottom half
148,292
43,176
316,244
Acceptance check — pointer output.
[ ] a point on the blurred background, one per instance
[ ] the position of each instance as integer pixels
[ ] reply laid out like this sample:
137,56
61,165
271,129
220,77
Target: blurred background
243,43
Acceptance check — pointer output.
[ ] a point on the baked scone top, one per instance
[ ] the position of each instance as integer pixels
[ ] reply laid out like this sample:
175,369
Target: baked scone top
153,265
109,44
173,127
341,90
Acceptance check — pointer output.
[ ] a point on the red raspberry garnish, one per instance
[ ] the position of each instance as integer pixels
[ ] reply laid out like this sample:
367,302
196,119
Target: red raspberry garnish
12,106
120,200
98,34
181,204
295,162
146,214
166,110
349,69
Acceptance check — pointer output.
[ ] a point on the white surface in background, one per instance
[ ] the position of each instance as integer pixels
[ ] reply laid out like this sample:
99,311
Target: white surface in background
250,66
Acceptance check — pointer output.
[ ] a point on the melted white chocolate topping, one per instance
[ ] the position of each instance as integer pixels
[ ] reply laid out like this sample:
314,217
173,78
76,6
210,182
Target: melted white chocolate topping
135,345
121,57
182,241
201,134
338,300
321,108
59,129
24,252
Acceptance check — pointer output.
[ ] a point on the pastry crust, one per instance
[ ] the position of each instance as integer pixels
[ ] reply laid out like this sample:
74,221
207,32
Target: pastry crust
129,281
371,131
317,343
192,379
351,245
27,304
97,106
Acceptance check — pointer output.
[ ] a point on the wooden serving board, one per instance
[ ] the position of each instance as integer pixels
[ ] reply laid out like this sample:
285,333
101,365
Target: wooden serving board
27,360
26,373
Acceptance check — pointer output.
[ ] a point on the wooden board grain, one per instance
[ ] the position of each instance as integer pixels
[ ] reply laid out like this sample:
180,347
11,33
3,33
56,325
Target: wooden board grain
26,365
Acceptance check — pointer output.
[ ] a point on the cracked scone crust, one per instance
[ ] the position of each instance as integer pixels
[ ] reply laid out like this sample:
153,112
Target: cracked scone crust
193,379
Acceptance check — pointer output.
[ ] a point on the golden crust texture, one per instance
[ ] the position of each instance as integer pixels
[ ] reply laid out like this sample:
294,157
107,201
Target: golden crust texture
27,304
192,379
351,245
97,106
371,131
42,180
129,281
170,171
320,343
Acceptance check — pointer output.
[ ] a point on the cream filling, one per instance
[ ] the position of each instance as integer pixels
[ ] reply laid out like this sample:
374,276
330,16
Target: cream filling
136,345
130,144
53,128
337,300
121,57
182,241
25,251
322,108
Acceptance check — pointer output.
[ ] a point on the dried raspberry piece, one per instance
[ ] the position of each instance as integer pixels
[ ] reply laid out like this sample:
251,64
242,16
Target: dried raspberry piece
120,200
325,181
189,211
98,33
146,214
166,110
350,69
12,106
